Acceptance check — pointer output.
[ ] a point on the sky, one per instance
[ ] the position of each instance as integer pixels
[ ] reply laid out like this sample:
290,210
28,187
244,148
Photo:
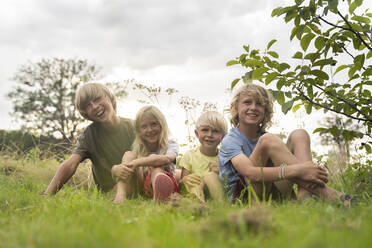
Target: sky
180,44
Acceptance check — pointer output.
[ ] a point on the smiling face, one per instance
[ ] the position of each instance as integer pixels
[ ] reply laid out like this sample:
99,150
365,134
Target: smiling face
209,137
149,130
99,109
250,110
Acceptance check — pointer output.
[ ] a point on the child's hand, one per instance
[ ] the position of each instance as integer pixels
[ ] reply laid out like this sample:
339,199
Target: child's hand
214,167
121,172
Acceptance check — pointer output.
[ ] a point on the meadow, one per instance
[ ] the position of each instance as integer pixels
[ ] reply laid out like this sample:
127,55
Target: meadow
80,216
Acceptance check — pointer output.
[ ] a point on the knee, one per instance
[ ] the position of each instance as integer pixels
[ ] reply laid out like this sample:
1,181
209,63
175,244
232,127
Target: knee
210,176
129,154
268,141
299,135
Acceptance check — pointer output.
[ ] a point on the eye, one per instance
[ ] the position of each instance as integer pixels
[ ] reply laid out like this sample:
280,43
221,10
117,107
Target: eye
215,131
97,99
154,124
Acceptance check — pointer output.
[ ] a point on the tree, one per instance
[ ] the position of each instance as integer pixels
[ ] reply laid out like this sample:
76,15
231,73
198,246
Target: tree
44,97
338,123
332,74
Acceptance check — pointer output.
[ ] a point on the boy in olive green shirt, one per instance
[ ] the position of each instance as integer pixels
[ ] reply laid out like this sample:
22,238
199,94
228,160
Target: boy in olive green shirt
104,141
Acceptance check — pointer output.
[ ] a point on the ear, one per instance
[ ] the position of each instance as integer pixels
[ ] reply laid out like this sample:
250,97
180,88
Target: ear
196,133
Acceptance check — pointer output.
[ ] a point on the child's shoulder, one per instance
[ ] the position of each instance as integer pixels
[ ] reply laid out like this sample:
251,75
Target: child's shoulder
192,152
233,135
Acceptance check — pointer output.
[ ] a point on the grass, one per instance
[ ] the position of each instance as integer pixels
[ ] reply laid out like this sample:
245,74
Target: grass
79,216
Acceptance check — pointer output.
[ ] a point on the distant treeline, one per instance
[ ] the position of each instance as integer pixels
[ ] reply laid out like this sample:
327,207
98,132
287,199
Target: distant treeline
18,142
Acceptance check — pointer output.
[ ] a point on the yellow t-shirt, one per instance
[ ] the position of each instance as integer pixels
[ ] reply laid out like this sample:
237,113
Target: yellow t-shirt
196,162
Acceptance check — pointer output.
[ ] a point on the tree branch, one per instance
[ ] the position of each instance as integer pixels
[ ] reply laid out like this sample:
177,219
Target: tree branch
330,109
355,32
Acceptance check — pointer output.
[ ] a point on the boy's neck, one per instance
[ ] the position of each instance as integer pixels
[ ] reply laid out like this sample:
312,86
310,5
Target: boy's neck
250,131
210,152
111,124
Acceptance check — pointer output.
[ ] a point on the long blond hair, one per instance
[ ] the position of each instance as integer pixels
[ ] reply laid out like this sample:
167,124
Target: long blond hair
139,145
263,96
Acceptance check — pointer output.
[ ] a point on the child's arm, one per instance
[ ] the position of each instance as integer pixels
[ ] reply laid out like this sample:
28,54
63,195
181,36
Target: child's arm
153,160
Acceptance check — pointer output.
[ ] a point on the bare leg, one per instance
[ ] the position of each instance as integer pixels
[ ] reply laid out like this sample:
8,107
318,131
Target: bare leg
214,186
124,187
299,144
270,146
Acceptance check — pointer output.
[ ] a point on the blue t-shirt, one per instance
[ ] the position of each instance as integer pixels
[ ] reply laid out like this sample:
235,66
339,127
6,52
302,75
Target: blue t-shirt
233,144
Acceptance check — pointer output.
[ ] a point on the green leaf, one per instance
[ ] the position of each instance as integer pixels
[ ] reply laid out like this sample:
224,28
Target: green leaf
232,62
280,83
280,98
283,66
246,48
352,71
320,129
274,54
233,83
300,31
368,148
270,44
361,19
332,4
276,11
354,5
369,54
296,107
308,107
305,41
287,106
312,56
254,62
355,26
247,78
257,73
340,68
297,55
320,74
359,61
319,42
270,77
324,62
298,2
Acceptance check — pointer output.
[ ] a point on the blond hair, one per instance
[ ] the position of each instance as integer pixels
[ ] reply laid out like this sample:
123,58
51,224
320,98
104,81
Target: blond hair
139,145
212,119
88,92
263,96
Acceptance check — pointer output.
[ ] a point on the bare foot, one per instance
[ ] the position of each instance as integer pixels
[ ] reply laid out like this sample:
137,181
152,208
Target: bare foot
119,199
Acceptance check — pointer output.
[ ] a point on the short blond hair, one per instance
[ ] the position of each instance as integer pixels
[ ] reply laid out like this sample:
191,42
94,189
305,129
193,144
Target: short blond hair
263,96
212,119
88,92
139,145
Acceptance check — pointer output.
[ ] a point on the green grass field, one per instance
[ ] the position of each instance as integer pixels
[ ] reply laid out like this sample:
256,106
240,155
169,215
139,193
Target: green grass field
79,216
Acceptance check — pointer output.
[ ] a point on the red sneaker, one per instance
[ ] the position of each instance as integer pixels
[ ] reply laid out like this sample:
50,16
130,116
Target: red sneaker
163,187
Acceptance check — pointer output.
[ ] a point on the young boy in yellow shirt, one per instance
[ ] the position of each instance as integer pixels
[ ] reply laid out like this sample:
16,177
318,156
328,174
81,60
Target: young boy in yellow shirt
200,166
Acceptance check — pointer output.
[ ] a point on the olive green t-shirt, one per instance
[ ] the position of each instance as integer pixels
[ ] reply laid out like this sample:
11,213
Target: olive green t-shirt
105,149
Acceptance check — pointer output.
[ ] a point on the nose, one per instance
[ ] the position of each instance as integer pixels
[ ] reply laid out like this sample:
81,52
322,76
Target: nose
92,105
254,105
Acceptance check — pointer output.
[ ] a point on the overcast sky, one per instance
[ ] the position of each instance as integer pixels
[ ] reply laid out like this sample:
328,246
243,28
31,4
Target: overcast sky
180,44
